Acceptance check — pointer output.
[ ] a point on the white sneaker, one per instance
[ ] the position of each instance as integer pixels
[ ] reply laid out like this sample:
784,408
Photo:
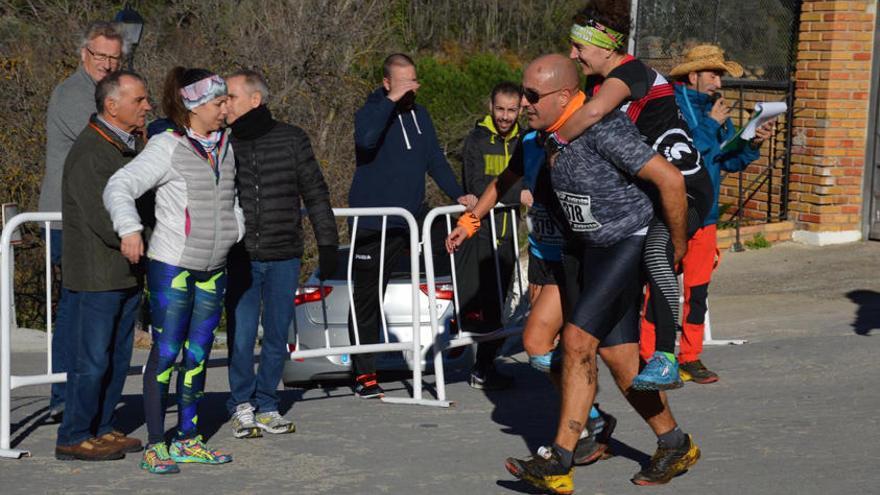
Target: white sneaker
243,422
275,423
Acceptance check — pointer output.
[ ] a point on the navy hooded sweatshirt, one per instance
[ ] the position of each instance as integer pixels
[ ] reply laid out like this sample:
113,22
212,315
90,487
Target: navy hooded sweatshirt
394,149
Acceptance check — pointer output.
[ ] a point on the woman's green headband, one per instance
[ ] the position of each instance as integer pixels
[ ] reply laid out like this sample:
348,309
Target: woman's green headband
596,34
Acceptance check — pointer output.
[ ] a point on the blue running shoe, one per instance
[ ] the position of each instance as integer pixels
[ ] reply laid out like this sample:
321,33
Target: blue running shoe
661,373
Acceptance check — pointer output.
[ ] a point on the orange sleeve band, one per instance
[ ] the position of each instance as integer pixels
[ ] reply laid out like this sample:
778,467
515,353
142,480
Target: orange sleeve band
470,223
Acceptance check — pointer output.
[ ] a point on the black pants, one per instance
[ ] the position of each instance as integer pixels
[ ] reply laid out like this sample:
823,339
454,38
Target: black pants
477,279
365,274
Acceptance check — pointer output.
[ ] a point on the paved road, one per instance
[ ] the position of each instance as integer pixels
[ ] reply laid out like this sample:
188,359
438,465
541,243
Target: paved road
795,411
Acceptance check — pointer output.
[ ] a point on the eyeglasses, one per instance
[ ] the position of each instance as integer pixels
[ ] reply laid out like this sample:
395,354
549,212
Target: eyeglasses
533,97
103,57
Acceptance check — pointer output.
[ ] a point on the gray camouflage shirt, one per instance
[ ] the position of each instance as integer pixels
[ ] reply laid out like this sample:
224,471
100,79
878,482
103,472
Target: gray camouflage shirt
594,179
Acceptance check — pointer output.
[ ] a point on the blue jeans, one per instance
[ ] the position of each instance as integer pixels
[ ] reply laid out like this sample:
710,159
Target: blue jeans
101,338
273,285
61,326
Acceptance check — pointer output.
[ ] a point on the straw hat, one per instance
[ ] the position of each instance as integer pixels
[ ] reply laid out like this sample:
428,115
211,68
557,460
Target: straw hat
706,57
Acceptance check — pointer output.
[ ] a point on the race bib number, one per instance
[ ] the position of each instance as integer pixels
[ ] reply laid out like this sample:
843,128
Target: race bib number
542,228
577,211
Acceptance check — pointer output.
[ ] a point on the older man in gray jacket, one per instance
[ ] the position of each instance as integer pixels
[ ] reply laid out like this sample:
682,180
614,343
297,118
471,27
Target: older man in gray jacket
71,105
103,286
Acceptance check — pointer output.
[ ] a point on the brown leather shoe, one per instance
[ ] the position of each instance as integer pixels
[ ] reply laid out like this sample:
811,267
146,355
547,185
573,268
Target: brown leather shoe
126,443
92,449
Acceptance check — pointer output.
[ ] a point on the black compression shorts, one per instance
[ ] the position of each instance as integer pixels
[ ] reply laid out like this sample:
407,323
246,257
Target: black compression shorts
602,290
544,272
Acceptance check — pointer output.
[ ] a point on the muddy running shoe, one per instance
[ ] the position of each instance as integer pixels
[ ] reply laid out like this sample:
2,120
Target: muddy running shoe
243,422
195,450
275,423
157,460
668,463
367,387
543,470
661,373
489,379
695,371
593,446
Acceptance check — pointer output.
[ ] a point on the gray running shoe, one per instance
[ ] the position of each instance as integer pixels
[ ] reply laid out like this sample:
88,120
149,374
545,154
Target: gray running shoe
273,422
243,423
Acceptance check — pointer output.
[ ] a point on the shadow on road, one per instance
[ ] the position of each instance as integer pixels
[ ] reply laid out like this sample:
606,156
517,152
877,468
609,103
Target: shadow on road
868,312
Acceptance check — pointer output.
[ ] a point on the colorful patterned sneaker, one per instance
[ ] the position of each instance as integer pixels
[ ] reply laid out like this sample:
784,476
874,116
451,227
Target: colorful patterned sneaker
273,422
195,450
593,446
243,423
661,373
698,373
367,387
157,461
668,463
543,470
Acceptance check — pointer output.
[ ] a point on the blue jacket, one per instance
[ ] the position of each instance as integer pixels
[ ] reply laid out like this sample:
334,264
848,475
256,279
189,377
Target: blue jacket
708,136
394,150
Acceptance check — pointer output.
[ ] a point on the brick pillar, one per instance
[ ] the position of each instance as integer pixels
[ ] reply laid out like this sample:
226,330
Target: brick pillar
833,83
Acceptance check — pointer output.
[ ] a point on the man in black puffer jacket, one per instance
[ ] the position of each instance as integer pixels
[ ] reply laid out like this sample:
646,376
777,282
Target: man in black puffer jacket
276,172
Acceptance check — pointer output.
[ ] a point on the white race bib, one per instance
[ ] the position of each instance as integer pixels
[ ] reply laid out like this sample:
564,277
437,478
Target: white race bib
577,211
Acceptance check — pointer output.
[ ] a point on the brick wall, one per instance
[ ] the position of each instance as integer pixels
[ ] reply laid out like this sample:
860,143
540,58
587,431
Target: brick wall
831,114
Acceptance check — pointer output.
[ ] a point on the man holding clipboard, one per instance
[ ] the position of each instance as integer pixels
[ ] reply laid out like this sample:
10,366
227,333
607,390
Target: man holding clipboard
698,94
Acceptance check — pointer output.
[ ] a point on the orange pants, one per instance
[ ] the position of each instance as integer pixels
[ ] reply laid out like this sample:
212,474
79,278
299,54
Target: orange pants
701,259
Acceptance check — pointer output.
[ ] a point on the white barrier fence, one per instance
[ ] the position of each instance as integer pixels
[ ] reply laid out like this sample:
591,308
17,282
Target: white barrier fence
415,344
443,343
9,382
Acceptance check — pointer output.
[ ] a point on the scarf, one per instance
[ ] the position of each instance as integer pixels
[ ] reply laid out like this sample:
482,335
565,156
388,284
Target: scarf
576,102
253,124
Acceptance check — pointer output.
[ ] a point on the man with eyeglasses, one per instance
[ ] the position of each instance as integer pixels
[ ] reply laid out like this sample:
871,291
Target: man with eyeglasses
71,105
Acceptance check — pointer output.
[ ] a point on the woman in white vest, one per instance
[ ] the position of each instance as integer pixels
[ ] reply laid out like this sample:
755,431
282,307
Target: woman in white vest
191,167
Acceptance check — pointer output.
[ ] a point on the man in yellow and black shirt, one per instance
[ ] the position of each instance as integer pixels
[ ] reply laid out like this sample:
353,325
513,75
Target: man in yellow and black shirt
482,289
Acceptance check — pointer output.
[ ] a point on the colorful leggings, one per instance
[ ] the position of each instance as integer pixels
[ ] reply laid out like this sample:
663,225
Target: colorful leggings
185,306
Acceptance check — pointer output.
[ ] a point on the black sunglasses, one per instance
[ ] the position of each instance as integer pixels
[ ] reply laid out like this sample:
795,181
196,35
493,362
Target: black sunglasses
534,97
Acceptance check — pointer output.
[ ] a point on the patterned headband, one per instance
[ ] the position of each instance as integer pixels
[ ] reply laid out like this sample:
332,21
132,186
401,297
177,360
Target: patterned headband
593,33
203,91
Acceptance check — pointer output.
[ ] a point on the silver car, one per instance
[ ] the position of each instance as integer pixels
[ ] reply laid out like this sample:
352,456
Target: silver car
310,323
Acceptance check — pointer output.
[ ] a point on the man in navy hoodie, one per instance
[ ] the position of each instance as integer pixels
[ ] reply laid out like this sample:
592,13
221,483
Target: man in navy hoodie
395,145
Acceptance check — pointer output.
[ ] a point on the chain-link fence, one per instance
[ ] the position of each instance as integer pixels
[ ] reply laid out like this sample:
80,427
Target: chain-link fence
759,34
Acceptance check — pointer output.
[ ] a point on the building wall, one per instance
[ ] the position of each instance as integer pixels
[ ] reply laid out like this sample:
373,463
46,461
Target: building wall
833,83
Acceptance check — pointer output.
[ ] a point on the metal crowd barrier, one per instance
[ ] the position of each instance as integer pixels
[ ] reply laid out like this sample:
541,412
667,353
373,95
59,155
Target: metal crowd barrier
443,342
8,381
415,345
418,348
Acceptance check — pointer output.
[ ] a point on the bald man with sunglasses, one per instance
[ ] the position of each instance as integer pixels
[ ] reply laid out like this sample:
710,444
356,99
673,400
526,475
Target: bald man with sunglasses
605,213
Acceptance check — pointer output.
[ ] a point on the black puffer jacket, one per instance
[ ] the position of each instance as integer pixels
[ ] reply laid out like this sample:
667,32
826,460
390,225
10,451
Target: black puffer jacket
276,173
